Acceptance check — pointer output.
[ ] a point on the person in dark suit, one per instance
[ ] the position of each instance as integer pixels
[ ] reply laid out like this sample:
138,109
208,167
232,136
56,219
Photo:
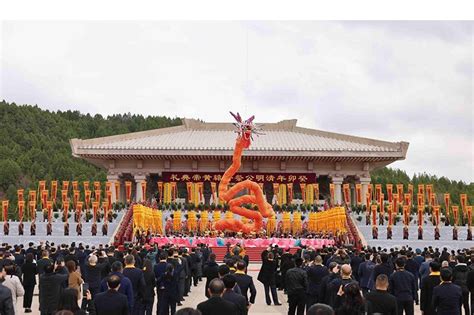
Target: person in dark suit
231,296
50,285
384,267
111,302
210,271
245,282
43,262
380,300
29,272
216,304
447,297
403,287
316,272
138,283
267,276
148,298
365,273
428,284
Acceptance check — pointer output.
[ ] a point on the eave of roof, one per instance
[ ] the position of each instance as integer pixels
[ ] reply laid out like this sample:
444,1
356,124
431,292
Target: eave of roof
135,144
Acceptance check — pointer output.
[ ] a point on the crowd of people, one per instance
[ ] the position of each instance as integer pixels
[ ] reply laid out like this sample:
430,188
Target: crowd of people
132,279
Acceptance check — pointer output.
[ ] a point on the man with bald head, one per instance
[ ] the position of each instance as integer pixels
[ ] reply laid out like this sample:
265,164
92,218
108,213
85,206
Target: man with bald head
216,304
345,279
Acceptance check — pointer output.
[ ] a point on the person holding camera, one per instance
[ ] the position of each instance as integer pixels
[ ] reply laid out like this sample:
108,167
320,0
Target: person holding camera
50,285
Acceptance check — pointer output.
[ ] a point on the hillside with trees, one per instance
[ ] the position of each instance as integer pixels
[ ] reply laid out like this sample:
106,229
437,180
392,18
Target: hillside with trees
34,145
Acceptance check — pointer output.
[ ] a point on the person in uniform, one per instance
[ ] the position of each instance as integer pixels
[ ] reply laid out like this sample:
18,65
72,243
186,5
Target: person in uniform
94,229
105,228
389,232
420,232
79,229
469,234
436,233
380,219
33,228
66,229
405,232
49,228
20,228
375,232
6,228
455,233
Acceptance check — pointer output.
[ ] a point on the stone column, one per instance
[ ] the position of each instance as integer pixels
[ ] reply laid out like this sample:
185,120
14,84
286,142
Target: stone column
365,181
337,181
112,178
139,179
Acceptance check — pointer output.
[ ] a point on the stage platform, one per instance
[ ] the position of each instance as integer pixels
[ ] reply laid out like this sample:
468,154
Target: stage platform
58,232
446,235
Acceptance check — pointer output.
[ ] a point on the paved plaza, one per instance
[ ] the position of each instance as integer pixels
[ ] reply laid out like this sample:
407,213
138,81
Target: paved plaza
197,296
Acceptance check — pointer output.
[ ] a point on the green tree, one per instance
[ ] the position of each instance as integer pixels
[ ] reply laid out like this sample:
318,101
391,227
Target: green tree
9,173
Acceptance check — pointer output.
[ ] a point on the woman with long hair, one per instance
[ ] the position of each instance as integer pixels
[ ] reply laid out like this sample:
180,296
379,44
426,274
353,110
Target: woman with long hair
29,272
149,292
349,300
74,281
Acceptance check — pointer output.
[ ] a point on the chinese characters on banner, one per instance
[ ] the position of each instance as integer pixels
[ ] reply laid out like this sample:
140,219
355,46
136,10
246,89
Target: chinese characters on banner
256,177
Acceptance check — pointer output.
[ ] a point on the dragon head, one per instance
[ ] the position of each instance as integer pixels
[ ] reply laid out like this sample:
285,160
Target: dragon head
246,128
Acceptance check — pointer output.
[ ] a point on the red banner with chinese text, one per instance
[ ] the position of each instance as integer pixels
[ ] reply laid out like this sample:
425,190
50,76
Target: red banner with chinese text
117,191
54,190
21,206
447,198
400,190
358,194
389,192
196,177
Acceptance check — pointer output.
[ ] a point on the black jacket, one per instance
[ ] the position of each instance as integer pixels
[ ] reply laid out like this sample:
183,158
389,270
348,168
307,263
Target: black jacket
403,286
50,287
296,280
245,283
460,275
6,303
138,281
111,302
426,298
238,300
42,263
382,302
447,299
325,295
149,290
93,275
316,273
217,305
364,273
210,272
29,271
385,269
267,274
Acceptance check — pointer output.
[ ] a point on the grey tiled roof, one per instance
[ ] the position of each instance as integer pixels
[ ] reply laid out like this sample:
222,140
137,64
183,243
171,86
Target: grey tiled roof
274,140
195,135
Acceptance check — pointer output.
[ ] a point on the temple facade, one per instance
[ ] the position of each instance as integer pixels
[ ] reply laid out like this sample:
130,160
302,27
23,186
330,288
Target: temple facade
198,151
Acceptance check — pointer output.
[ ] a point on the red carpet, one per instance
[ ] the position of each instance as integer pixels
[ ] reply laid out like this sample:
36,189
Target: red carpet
253,252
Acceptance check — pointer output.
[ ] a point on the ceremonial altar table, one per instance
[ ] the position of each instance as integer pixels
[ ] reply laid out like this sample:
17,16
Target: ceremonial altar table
253,242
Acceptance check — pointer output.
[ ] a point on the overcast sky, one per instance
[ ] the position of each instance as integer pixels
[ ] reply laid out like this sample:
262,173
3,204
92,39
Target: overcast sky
410,81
